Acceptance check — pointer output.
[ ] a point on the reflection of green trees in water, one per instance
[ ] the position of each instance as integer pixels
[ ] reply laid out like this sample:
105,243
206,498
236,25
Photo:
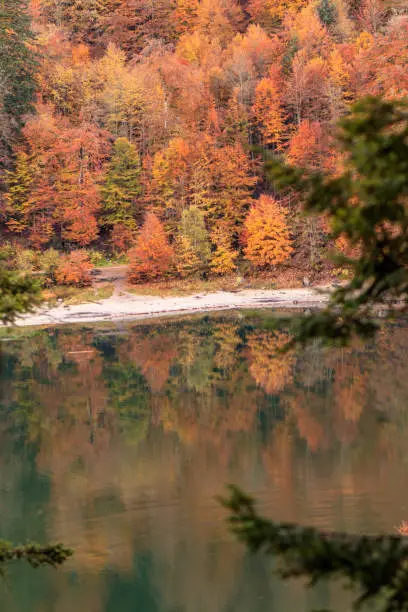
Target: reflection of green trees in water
128,398
120,424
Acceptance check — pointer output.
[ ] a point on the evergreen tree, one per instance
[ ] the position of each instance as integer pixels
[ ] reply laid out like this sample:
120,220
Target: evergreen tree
18,293
327,12
17,66
36,555
122,186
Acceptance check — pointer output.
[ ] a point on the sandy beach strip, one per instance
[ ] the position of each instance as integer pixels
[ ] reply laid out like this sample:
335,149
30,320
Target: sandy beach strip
129,306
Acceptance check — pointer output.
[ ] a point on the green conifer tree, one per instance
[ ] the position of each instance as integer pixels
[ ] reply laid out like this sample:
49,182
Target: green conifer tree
122,186
327,12
17,67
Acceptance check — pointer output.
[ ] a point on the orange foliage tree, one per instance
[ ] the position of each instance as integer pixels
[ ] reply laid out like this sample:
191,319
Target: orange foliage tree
230,183
267,235
169,181
268,109
306,148
74,269
66,165
185,15
152,257
218,180
382,66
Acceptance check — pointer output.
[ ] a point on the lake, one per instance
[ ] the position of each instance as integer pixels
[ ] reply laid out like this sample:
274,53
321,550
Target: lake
116,440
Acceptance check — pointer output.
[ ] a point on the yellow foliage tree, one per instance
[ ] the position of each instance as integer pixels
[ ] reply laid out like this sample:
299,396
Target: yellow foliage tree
185,15
187,261
266,234
224,257
270,13
170,180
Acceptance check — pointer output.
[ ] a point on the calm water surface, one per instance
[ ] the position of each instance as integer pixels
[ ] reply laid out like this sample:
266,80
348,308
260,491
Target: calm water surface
116,440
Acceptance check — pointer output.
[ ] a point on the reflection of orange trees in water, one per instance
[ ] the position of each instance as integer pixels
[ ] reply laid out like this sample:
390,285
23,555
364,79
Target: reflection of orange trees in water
76,425
389,389
271,370
154,355
212,416
309,427
66,408
217,422
41,352
280,466
350,388
102,488
389,379
112,505
349,393
196,358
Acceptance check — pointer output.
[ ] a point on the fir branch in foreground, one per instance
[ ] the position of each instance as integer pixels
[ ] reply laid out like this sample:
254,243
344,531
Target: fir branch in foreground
367,208
376,565
36,555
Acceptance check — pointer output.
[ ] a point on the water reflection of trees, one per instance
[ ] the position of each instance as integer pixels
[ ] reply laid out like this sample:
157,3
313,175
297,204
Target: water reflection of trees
136,432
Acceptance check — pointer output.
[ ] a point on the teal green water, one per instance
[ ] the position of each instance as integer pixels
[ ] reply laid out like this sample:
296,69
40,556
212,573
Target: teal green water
116,441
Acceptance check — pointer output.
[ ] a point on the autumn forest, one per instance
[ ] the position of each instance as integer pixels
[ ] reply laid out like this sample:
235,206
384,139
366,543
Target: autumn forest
142,130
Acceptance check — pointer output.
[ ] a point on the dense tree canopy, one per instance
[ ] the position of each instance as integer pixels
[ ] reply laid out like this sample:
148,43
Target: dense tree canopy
159,107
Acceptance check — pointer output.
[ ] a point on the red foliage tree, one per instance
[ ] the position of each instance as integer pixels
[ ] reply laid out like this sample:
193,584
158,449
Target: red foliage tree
152,257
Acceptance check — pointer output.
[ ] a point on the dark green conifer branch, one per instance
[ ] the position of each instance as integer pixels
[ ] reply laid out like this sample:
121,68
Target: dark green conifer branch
377,566
35,554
